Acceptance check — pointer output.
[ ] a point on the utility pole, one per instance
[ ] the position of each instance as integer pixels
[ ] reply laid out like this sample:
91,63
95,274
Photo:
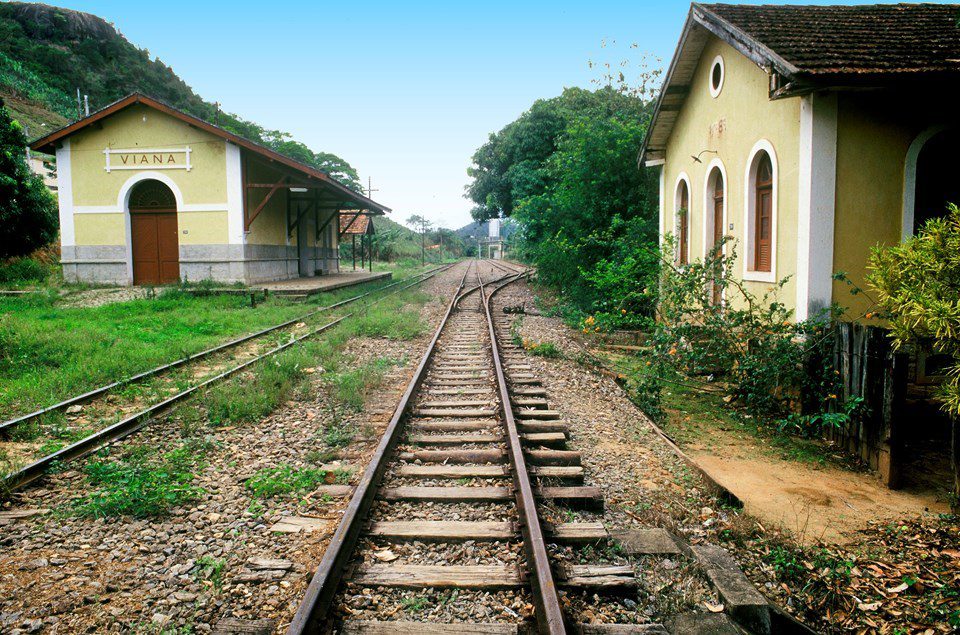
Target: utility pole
423,242
370,191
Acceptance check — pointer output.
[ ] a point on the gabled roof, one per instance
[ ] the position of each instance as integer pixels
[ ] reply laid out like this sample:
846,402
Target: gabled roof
808,48
853,41
48,144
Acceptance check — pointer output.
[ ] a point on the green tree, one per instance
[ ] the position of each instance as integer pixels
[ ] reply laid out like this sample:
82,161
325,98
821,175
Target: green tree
918,287
422,226
28,212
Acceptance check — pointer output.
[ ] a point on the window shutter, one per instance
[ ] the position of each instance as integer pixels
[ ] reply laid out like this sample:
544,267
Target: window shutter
764,221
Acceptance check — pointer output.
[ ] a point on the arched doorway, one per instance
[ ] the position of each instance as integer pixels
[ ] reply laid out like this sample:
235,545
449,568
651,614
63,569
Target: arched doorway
936,177
153,233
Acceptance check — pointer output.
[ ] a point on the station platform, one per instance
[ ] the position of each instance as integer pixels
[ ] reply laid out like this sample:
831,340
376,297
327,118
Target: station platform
321,284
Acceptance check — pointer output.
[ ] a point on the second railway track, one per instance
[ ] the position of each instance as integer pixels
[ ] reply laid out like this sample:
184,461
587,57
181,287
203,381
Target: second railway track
130,420
449,502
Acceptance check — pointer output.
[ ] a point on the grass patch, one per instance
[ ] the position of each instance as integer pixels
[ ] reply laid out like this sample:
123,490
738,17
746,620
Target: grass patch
545,349
284,480
209,570
22,272
392,319
352,386
146,482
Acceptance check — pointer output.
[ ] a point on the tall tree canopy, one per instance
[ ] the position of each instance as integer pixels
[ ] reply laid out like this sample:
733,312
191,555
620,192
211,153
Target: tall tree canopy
28,214
566,170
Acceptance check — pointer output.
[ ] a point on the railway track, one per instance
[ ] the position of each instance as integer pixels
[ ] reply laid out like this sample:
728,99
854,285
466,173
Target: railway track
449,502
131,422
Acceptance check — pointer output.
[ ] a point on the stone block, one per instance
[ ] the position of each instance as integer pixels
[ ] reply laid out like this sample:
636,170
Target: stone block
646,541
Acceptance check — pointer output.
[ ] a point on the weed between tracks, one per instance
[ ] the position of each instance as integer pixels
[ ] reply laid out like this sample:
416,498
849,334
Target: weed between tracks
143,481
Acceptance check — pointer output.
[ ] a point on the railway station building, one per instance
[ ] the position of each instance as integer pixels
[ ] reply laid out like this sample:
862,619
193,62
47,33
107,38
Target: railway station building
151,195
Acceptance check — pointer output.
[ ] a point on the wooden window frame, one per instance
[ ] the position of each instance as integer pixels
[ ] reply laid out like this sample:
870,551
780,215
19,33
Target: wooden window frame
750,213
682,219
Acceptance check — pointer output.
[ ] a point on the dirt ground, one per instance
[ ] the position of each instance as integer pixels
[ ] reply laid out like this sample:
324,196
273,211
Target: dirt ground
825,504
807,487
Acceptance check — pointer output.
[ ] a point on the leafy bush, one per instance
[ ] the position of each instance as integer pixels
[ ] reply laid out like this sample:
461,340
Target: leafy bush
918,287
774,366
23,271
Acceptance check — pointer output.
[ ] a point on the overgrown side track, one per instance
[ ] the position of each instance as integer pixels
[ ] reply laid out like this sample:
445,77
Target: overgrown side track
135,421
6,427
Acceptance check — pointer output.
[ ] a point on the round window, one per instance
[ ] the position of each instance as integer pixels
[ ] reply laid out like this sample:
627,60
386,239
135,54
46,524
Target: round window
716,76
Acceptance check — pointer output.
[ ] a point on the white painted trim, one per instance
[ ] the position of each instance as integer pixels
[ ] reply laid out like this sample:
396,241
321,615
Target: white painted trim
816,203
123,201
123,196
749,202
68,236
187,208
652,163
910,178
663,203
716,163
676,215
235,233
715,92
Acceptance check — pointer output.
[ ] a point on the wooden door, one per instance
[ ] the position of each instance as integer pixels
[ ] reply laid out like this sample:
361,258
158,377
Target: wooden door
156,250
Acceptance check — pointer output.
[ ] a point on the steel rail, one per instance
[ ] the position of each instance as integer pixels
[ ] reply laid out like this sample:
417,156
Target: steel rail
127,426
7,426
547,602
476,287
322,589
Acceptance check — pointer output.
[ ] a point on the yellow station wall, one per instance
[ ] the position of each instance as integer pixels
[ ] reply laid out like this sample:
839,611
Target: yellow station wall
874,132
141,127
270,225
731,124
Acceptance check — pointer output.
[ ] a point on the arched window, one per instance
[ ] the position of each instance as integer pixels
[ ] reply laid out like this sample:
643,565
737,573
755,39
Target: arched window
763,213
153,195
683,221
715,207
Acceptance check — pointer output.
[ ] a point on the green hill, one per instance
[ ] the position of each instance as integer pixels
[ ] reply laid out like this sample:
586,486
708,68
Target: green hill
47,53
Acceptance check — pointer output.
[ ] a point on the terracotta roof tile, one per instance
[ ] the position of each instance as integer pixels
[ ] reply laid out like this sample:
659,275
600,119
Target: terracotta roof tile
359,225
882,39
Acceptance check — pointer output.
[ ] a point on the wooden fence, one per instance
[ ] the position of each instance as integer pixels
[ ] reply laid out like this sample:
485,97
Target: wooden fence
870,369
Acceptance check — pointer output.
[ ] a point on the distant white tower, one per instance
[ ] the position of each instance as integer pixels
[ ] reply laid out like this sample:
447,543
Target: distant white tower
493,242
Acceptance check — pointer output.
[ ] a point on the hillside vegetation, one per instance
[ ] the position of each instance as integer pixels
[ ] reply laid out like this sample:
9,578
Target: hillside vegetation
47,53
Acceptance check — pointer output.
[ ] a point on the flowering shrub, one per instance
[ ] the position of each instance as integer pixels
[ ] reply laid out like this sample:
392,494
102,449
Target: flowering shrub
710,324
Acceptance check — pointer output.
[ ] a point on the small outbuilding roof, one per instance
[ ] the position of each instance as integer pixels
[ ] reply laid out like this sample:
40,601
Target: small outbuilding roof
807,48
47,144
354,222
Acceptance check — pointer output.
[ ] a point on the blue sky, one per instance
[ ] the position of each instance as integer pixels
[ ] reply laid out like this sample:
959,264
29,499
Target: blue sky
404,91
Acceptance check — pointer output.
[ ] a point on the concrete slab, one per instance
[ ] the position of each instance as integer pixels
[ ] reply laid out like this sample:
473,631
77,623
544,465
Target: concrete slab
714,557
646,541
741,599
703,624
320,284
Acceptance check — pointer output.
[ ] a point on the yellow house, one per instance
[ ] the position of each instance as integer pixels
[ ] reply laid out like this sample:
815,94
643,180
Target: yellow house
151,195
807,134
